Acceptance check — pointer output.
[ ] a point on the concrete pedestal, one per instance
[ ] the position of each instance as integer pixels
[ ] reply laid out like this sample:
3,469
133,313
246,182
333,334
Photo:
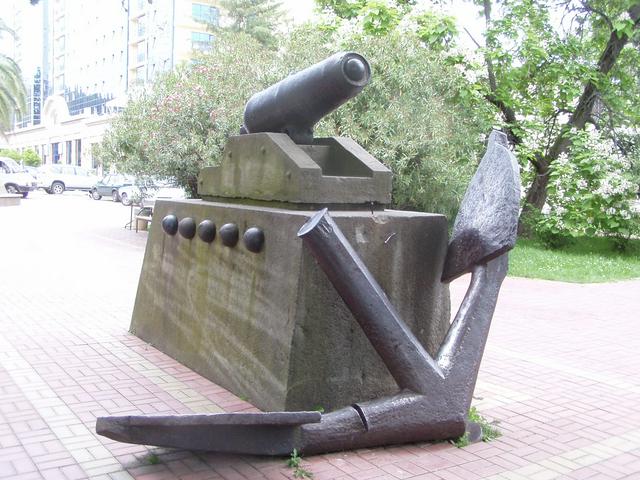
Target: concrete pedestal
269,326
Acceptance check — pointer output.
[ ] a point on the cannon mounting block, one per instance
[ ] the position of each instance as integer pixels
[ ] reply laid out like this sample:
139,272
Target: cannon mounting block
270,167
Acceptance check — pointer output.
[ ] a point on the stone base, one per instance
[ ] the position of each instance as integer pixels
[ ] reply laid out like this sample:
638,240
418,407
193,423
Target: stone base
269,326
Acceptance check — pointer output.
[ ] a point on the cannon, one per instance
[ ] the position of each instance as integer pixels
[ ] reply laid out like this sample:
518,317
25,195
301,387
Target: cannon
294,105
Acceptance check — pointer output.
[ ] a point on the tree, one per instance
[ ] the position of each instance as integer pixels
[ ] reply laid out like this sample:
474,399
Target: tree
12,91
31,158
547,79
377,17
28,157
549,82
258,18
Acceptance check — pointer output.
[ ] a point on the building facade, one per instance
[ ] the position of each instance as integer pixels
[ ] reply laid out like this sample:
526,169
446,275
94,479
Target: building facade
81,59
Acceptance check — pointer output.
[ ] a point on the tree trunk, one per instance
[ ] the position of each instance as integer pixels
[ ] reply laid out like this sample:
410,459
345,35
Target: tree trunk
536,196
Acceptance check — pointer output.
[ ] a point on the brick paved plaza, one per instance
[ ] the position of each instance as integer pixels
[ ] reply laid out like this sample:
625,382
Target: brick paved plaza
561,372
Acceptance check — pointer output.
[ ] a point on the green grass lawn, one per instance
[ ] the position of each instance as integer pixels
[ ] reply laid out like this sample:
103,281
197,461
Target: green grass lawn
587,260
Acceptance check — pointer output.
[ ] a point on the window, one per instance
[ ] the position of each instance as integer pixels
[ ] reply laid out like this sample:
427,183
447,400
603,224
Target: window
141,28
204,13
78,152
201,41
68,152
141,55
55,152
140,74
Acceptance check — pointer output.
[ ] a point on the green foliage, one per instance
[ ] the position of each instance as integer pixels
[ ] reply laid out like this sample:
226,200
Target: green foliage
28,157
295,463
589,195
489,431
343,8
586,260
462,441
31,158
376,17
14,154
153,459
409,117
349,9
436,30
257,18
12,91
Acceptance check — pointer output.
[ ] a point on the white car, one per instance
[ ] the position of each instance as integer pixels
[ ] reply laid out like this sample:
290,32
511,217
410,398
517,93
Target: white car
15,178
147,195
131,194
56,178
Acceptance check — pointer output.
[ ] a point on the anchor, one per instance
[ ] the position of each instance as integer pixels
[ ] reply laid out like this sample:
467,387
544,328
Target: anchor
434,394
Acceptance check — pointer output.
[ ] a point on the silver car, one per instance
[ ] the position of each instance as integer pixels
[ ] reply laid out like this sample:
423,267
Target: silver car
56,178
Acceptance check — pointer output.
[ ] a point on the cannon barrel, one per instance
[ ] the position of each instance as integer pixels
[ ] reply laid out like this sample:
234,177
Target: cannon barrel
294,105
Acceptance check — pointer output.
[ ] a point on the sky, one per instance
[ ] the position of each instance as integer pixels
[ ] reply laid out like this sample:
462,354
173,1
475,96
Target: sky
299,10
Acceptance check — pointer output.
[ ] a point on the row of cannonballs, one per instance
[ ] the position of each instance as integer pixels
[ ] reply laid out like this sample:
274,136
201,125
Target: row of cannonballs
253,237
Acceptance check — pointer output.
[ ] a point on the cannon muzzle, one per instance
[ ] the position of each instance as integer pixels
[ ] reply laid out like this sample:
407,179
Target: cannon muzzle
294,105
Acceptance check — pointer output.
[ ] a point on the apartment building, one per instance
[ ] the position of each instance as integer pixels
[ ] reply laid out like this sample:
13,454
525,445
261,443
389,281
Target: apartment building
81,59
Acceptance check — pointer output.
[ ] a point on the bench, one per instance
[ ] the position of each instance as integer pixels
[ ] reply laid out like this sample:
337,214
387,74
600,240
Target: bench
143,218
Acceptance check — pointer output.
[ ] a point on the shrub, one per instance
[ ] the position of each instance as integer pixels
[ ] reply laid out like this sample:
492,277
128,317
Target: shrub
590,193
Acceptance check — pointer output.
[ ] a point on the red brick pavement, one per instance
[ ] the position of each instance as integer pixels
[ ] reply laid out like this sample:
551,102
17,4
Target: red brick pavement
560,372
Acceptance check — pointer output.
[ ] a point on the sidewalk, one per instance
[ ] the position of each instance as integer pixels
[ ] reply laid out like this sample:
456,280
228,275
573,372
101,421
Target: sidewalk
560,373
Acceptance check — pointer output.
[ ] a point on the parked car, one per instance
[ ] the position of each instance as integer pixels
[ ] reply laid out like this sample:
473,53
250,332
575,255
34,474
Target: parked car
109,186
146,195
131,194
15,178
33,171
56,178
162,191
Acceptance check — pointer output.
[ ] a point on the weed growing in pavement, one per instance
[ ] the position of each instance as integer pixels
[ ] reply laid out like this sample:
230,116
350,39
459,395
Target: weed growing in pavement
462,441
489,431
153,459
294,462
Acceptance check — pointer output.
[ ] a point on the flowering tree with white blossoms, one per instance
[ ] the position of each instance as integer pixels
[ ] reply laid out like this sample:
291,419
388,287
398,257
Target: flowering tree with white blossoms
590,194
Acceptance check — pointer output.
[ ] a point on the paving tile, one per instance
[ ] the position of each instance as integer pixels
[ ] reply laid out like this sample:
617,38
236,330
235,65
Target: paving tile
66,357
